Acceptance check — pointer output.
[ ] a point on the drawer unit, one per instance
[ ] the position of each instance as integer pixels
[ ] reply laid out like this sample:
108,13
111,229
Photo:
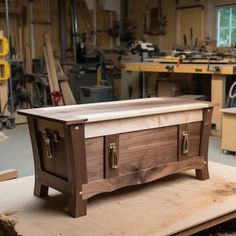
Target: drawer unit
85,150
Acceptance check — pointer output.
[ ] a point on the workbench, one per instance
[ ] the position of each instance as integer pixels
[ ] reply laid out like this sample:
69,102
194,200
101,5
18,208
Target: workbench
84,150
217,71
176,205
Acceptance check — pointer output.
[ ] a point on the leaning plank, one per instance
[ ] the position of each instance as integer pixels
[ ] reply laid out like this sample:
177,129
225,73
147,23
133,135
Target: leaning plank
48,70
8,174
64,85
52,68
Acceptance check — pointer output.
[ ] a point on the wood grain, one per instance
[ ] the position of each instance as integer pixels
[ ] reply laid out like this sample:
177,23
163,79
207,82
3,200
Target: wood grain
140,177
109,127
229,130
203,173
64,85
147,149
95,158
51,67
183,68
57,164
218,88
115,110
8,174
77,168
194,134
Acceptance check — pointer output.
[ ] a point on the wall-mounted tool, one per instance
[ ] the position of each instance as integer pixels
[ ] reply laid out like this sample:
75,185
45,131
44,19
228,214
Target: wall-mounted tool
4,47
141,47
4,70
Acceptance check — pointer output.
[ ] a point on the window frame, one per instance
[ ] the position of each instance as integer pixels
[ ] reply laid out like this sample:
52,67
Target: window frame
212,5
230,27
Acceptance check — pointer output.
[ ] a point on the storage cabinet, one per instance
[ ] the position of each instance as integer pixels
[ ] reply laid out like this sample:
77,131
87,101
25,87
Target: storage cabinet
85,150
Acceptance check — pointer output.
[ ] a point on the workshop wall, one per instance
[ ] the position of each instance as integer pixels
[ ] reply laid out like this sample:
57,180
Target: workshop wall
180,16
30,20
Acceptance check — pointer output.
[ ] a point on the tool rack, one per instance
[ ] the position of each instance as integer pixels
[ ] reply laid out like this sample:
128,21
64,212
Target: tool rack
5,117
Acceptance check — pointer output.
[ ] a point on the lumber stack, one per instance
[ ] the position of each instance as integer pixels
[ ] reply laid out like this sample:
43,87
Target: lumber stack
60,91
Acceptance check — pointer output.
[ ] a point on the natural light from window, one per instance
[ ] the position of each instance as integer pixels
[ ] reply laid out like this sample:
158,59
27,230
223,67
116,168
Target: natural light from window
226,26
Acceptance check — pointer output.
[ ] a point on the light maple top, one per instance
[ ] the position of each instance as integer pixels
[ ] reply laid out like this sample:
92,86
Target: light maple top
105,111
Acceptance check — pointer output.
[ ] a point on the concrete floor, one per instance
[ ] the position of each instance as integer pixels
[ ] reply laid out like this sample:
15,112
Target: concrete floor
16,152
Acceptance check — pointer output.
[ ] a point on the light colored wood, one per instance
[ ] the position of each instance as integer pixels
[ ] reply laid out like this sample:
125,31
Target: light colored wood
64,85
182,68
198,61
52,67
119,126
184,23
218,80
115,110
122,212
8,174
48,71
218,95
20,119
228,141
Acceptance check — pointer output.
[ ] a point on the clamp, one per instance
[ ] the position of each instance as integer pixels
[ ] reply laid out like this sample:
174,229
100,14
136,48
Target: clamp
4,47
4,70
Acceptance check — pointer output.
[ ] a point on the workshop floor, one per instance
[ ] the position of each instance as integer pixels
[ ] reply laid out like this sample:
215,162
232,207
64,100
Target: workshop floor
16,152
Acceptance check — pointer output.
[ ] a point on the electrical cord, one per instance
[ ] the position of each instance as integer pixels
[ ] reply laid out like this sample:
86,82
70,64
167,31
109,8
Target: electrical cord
231,95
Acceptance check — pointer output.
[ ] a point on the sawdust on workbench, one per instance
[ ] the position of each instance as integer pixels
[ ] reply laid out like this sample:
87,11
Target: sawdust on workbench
7,225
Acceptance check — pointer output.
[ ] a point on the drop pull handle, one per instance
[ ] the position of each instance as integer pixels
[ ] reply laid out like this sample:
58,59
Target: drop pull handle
47,143
113,156
185,142
49,138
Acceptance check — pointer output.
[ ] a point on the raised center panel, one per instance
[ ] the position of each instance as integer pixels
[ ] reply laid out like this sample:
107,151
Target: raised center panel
146,149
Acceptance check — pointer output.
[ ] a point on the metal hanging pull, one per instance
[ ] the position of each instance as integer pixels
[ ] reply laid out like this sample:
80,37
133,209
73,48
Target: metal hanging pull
48,144
113,156
185,142
50,137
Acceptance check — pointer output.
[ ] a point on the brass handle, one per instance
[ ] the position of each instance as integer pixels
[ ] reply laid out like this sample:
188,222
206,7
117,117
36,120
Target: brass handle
185,142
113,156
48,144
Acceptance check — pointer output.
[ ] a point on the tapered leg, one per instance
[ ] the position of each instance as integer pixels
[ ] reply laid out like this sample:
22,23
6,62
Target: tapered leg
77,169
40,190
77,206
202,174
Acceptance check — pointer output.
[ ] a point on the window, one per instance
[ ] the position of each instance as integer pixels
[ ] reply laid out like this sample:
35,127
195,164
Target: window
226,26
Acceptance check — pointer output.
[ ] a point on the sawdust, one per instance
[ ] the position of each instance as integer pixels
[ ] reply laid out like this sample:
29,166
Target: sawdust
7,225
227,189
3,136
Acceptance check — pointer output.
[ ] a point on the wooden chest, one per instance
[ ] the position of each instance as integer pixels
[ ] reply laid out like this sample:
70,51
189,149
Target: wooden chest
84,150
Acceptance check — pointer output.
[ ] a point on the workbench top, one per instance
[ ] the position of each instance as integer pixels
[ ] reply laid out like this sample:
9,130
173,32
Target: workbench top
172,205
95,112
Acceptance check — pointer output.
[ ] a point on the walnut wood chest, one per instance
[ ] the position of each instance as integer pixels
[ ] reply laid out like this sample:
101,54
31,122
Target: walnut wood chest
84,150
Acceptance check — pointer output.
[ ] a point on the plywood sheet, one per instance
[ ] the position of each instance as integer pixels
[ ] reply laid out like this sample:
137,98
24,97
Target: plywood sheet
164,207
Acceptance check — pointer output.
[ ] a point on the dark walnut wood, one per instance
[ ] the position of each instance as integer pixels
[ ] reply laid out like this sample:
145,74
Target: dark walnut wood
172,137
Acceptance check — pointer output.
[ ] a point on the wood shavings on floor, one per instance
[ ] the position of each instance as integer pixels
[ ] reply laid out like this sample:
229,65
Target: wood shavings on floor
3,136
